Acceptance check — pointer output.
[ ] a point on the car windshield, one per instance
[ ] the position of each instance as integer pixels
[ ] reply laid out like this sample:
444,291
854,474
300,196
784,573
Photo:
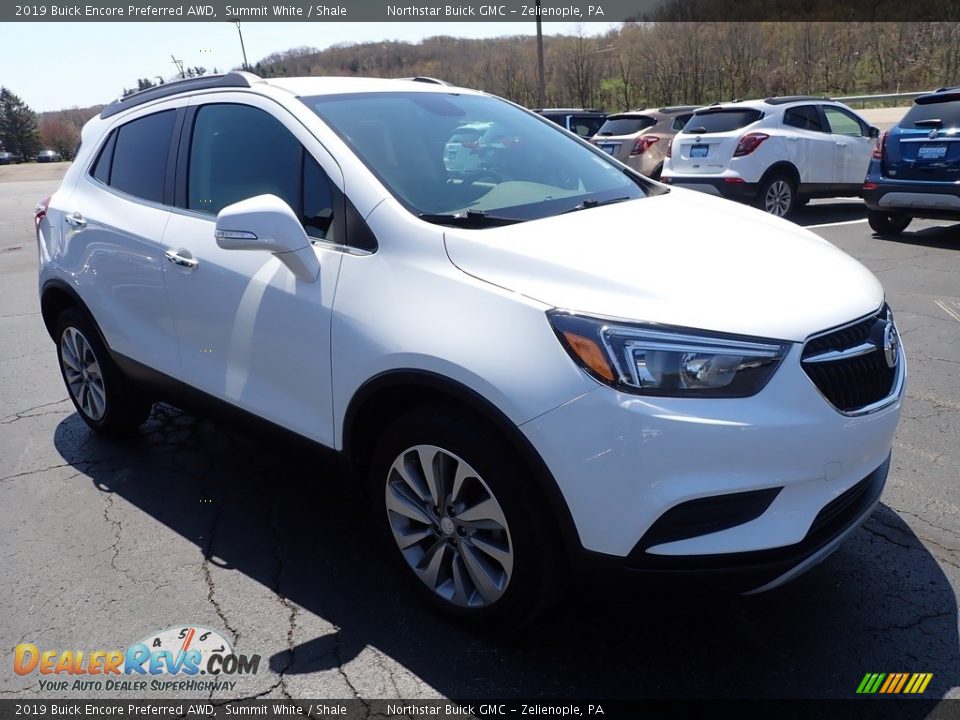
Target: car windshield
947,111
516,167
626,124
716,121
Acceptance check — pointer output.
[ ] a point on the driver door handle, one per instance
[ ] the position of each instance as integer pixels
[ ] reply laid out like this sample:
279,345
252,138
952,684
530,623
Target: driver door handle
176,258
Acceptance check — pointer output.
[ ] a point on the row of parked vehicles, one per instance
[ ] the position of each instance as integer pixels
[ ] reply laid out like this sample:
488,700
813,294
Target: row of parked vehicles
780,152
10,158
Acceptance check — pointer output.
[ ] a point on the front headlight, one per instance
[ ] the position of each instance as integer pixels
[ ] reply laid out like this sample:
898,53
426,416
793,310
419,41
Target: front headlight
658,360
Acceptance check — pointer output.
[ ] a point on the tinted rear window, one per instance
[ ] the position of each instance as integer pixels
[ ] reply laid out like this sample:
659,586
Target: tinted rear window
948,112
625,125
717,121
140,156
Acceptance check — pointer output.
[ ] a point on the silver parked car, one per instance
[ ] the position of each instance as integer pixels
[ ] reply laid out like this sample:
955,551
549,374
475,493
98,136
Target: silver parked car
640,138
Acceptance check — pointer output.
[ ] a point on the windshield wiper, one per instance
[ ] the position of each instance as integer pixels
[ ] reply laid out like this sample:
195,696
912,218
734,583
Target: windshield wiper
468,218
592,203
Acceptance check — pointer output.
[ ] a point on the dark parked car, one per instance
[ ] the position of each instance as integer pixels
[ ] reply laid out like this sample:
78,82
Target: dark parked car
915,170
8,158
584,123
48,156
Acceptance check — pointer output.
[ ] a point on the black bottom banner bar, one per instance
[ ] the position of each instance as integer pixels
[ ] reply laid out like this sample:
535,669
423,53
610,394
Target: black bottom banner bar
902,709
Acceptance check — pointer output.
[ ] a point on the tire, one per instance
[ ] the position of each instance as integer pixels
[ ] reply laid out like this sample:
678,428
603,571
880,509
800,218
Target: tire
888,223
657,172
103,397
778,195
485,553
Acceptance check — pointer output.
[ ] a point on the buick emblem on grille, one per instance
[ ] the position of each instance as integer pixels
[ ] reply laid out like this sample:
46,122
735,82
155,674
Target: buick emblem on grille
891,345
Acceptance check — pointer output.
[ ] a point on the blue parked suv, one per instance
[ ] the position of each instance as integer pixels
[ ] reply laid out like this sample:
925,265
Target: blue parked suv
915,169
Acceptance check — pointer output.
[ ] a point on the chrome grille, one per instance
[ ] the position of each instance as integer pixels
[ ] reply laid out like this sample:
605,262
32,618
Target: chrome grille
849,365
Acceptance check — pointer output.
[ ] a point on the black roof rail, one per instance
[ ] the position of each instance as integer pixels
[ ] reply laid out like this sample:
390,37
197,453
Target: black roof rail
949,87
783,100
425,79
204,82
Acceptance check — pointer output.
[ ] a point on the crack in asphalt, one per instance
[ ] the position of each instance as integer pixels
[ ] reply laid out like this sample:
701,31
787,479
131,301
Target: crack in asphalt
919,539
292,610
21,414
117,529
914,624
83,466
873,531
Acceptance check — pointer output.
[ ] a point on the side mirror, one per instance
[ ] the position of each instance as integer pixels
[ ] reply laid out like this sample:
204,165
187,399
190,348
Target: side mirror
874,132
266,222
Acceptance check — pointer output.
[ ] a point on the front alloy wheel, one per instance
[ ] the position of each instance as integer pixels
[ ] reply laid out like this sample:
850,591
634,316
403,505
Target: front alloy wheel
449,526
464,518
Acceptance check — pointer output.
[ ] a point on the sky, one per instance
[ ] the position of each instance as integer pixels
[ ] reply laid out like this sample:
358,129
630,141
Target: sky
49,70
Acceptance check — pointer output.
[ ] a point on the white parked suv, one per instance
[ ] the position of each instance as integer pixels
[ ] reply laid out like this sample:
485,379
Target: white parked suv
776,153
533,383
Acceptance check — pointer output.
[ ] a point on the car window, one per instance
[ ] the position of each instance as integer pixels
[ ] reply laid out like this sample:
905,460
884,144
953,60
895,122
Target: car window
238,152
843,123
318,200
805,117
680,120
101,169
716,121
523,168
947,112
618,125
138,162
585,125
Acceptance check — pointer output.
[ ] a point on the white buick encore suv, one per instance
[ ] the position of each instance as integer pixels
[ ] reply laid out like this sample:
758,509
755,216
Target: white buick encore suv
547,368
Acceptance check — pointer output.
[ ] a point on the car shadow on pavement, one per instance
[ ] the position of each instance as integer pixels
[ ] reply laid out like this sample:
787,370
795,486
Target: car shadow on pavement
944,236
824,213
287,517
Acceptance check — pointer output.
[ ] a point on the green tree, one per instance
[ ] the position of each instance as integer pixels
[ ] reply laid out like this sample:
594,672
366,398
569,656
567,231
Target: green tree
18,125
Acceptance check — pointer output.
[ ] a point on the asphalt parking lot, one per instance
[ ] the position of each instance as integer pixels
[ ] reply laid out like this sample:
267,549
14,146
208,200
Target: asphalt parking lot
103,542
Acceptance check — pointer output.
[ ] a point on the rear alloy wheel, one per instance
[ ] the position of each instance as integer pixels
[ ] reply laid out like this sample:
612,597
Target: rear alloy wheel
103,397
469,529
887,223
777,196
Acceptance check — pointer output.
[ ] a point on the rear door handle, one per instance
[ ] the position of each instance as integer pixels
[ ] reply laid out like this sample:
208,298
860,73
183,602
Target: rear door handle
76,220
176,258
841,144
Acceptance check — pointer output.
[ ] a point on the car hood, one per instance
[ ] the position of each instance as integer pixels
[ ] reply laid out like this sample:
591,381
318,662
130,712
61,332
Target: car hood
681,258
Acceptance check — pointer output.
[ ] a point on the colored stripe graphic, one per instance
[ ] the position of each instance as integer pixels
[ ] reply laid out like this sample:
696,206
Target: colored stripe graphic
894,683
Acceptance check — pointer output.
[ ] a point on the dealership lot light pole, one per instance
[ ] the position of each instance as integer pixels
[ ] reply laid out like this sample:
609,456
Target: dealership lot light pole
236,22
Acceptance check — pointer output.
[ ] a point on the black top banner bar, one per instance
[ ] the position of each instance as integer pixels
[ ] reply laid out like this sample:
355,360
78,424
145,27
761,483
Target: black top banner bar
606,11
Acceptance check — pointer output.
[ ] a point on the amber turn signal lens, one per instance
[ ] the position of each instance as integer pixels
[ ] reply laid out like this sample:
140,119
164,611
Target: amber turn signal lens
590,353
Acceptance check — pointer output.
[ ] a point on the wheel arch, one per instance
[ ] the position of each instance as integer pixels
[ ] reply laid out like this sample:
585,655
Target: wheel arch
784,167
387,396
56,296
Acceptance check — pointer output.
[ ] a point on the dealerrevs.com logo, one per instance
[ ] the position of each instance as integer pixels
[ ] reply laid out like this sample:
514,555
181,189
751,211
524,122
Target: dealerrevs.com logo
184,652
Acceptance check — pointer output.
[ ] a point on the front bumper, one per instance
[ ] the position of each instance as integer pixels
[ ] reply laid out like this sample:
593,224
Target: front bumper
776,463
729,187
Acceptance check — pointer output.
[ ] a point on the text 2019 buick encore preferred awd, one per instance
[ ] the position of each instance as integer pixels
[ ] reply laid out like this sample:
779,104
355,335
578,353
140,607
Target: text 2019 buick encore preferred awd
545,367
